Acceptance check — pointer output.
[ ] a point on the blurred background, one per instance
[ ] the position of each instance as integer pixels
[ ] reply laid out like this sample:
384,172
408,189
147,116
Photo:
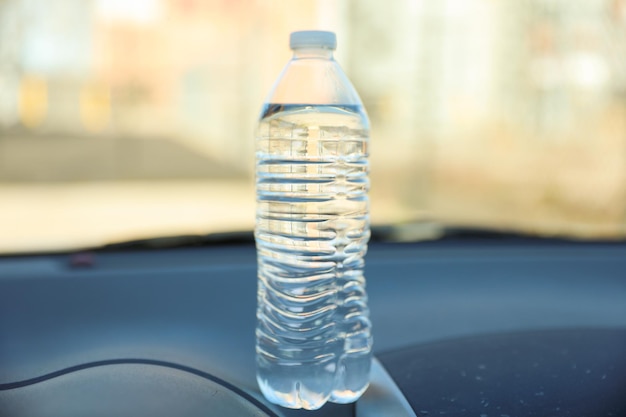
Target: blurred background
133,119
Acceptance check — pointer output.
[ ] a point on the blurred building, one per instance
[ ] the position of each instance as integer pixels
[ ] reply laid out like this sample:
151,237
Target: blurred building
195,70
523,102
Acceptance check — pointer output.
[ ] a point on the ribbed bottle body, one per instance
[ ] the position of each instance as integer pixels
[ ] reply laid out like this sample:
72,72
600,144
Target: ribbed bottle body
312,228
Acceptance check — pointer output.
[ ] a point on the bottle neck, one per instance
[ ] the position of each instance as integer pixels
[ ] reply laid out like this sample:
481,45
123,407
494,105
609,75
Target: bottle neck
313,53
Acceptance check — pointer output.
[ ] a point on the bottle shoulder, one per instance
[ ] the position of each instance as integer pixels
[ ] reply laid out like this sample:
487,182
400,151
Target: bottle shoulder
313,81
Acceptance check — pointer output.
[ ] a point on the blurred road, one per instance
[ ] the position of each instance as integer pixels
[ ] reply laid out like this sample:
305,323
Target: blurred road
48,216
74,215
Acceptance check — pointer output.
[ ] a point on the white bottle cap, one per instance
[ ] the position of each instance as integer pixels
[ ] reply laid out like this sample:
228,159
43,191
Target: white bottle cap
312,39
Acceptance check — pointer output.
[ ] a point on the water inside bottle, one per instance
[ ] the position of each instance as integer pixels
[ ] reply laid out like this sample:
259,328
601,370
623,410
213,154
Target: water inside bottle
313,334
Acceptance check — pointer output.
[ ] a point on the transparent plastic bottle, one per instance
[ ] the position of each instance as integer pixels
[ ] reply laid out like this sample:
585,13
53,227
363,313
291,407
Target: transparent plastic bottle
312,227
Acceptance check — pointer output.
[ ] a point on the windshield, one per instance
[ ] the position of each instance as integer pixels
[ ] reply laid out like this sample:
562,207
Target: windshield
135,119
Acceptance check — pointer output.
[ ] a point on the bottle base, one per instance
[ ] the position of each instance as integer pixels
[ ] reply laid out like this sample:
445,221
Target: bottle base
297,397
300,398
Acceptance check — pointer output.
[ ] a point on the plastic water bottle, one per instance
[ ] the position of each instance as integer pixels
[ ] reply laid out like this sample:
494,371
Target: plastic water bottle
312,227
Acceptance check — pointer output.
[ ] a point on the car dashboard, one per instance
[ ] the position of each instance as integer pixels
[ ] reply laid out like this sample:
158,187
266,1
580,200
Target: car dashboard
462,326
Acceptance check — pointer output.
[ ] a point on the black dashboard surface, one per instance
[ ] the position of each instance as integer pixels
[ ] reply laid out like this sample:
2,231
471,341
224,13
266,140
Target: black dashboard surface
573,372
194,310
